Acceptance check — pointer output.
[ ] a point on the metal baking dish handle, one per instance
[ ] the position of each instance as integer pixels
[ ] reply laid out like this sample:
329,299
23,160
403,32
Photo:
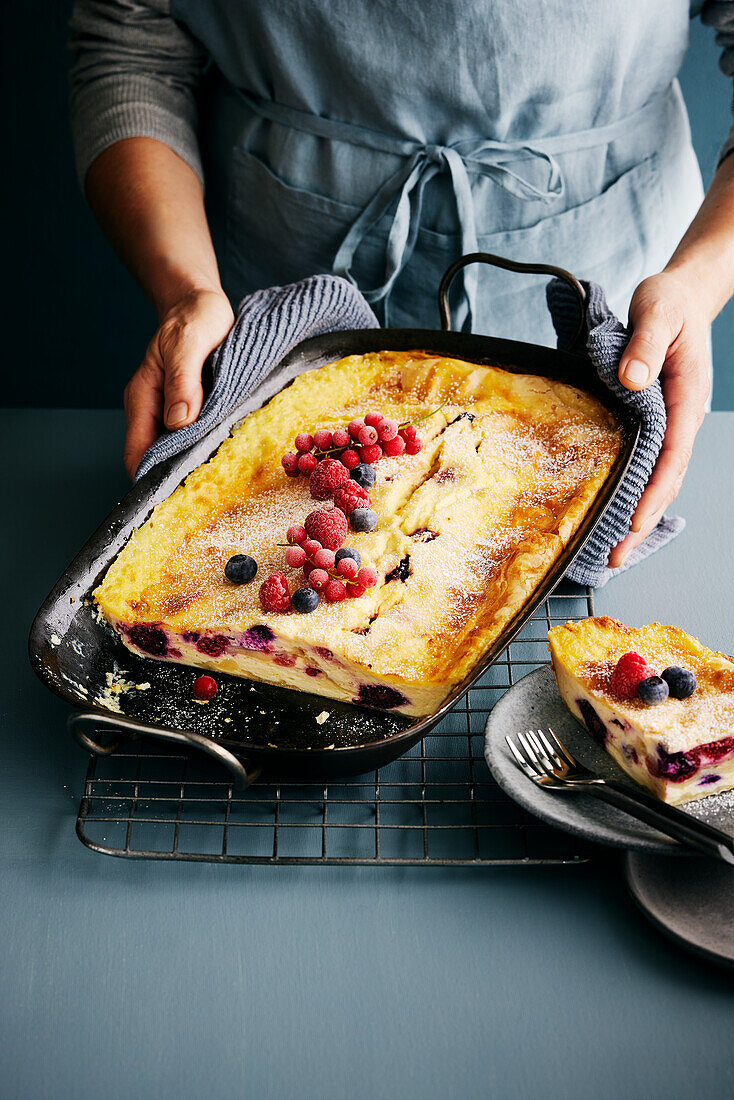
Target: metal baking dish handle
511,265
129,728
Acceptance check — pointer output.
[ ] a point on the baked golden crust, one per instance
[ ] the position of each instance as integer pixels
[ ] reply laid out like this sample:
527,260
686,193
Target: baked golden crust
480,514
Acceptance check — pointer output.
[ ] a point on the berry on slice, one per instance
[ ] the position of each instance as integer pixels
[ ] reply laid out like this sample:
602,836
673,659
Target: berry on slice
318,579
363,519
274,594
394,447
371,453
340,438
326,479
408,432
387,429
322,439
335,591
413,446
349,458
329,526
347,567
205,688
296,534
311,546
367,576
350,496
304,442
628,671
354,427
354,591
367,435
307,464
295,556
347,552
364,475
324,559
652,690
373,419
681,681
289,463
305,600
240,569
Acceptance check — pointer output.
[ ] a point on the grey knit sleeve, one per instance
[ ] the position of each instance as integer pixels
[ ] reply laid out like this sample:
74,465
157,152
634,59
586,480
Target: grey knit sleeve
135,74
720,14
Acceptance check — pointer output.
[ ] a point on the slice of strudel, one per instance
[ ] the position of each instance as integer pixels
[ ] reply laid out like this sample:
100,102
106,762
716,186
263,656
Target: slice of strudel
659,701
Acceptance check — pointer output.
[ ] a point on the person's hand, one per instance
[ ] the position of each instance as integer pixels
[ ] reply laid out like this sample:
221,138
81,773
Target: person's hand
669,340
166,387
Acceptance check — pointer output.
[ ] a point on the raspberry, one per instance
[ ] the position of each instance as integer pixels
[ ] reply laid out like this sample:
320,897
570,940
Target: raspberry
371,453
307,463
629,670
304,442
322,439
394,447
373,419
387,429
335,591
329,526
324,559
354,427
354,591
205,688
340,438
326,479
350,458
409,432
367,576
295,556
296,534
274,595
318,579
312,547
413,446
347,567
350,496
367,435
289,463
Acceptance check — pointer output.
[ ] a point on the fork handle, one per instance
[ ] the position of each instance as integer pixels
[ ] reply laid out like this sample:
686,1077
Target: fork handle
666,819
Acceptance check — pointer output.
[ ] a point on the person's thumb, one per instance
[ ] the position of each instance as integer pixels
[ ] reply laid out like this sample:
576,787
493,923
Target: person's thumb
655,327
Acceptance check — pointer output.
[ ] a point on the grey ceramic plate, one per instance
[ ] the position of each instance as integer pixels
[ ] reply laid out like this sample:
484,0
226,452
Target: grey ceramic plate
534,702
691,900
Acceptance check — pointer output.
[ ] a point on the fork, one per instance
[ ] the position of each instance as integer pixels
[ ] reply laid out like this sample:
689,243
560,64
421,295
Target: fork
547,762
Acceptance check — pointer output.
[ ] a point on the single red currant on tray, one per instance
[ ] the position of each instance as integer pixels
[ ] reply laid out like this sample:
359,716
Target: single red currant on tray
205,688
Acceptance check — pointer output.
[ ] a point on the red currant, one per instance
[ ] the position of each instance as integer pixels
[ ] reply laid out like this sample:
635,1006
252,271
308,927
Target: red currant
335,591
413,446
394,447
296,534
347,567
340,438
354,427
350,458
373,419
295,556
387,429
371,454
324,559
289,463
367,576
367,435
312,547
409,432
304,442
322,439
205,688
307,464
318,579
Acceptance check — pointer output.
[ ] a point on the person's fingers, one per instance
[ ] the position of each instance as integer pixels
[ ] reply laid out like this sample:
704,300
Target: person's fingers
143,401
184,344
656,325
685,388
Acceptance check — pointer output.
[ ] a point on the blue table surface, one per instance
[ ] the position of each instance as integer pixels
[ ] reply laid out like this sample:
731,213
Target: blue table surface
127,978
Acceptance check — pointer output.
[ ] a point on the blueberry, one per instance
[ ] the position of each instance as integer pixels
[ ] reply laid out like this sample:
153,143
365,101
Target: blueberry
347,552
364,475
681,681
652,690
240,569
305,599
363,519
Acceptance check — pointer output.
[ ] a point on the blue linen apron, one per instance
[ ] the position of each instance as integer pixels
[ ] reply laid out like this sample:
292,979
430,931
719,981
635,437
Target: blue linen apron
383,140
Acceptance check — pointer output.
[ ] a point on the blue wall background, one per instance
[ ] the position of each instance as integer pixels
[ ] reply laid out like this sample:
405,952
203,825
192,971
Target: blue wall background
76,325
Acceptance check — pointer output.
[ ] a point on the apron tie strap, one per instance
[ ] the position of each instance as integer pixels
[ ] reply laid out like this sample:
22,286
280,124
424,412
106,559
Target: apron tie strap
422,162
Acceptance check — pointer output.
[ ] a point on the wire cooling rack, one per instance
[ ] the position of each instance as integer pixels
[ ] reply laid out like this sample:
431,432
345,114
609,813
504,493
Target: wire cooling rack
437,805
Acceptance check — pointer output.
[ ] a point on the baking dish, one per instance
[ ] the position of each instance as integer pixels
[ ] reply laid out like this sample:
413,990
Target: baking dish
251,725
